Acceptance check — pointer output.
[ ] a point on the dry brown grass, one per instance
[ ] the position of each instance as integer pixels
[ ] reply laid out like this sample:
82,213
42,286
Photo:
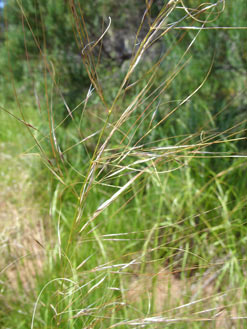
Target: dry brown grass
177,298
22,232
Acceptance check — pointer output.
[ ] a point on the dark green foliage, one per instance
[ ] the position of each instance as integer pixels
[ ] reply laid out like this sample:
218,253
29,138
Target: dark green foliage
55,31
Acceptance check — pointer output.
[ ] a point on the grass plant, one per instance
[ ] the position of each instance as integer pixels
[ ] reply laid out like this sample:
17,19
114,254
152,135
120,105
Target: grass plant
143,216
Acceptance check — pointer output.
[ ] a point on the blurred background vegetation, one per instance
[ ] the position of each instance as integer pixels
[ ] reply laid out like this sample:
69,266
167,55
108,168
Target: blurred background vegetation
185,217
